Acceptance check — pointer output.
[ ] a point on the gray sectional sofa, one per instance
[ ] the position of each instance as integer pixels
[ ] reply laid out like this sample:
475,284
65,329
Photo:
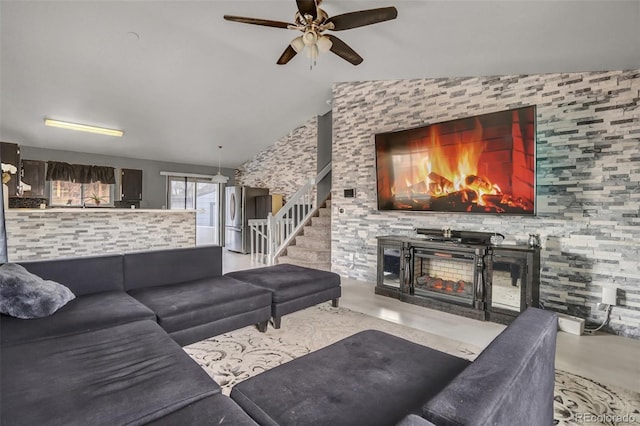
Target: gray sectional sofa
113,356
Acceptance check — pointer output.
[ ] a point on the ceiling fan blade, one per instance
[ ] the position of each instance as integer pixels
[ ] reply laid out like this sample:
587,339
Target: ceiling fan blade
341,49
256,21
286,56
308,7
361,18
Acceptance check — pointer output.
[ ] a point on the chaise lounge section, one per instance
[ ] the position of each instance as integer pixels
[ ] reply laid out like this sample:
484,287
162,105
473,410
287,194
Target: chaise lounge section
126,374
293,287
190,297
374,378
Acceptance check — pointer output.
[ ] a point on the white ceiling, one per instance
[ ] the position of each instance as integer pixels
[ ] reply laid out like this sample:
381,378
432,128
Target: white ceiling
193,81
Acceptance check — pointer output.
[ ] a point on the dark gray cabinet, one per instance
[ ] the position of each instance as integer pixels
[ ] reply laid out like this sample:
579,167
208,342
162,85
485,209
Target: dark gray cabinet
33,174
10,154
131,185
474,279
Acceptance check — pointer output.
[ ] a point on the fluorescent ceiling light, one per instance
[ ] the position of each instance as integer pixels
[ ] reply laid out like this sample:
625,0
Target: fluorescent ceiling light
83,127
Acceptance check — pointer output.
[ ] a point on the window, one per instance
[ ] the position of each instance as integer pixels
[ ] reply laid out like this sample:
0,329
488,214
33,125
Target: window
65,193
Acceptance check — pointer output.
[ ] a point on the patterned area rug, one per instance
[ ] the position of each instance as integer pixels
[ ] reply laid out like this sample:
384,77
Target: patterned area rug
236,356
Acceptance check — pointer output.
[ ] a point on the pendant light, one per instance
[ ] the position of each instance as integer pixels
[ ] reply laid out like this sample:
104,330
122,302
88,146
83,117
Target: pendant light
219,178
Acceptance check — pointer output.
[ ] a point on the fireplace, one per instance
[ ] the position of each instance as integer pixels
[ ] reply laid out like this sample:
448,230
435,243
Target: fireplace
462,273
450,275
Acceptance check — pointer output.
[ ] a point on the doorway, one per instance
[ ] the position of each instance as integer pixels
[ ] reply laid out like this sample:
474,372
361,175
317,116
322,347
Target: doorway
203,196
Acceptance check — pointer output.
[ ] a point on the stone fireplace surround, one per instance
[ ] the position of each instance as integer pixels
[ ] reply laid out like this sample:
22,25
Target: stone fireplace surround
588,176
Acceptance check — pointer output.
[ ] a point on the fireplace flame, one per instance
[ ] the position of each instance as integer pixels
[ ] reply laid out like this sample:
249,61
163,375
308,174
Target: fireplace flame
443,169
482,165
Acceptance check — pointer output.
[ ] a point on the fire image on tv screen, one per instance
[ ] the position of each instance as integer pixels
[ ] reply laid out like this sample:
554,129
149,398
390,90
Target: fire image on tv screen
480,164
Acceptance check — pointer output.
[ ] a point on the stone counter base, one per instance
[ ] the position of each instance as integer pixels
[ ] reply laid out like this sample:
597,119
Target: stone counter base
54,233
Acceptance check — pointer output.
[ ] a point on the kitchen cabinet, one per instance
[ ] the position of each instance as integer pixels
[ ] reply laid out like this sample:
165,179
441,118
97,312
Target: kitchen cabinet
131,185
33,174
10,154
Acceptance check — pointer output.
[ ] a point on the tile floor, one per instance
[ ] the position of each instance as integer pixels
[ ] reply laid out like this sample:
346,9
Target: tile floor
603,357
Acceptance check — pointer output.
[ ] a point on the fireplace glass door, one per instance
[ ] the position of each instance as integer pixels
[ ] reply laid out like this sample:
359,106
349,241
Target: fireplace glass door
508,279
449,276
391,256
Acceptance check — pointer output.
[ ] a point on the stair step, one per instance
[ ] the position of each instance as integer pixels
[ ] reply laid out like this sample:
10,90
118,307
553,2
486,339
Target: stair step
325,266
324,212
322,242
309,255
327,204
321,221
317,231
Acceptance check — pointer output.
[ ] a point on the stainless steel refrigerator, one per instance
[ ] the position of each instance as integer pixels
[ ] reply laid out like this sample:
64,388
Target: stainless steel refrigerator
240,207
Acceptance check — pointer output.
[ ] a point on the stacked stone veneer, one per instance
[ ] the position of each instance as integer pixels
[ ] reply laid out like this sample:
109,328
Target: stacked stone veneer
588,178
285,166
48,234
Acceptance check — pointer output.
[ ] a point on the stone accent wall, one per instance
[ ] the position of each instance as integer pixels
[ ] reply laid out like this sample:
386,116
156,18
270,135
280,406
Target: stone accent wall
286,165
54,233
588,178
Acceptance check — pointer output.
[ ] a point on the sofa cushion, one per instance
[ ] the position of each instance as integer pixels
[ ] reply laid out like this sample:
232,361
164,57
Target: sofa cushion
163,267
216,410
82,275
370,378
127,374
25,295
190,304
414,420
510,382
84,313
288,282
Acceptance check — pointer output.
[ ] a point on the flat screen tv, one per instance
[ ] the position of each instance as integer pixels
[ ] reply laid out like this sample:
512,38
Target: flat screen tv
480,164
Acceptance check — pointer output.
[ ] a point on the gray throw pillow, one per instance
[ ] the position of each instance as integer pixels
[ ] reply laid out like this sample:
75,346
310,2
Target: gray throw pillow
25,295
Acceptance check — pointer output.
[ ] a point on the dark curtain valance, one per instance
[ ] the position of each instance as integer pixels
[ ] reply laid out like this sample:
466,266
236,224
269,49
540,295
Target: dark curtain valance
80,173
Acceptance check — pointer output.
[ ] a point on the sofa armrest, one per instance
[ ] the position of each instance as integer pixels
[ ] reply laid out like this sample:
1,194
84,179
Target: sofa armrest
511,381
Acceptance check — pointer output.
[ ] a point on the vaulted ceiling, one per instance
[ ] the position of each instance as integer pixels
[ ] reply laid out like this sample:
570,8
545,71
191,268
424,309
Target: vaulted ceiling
180,80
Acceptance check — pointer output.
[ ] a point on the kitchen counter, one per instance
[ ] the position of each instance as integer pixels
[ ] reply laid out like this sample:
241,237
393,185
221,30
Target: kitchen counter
67,231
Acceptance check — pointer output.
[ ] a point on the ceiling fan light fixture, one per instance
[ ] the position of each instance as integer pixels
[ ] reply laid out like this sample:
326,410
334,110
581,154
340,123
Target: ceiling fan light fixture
324,44
298,44
310,38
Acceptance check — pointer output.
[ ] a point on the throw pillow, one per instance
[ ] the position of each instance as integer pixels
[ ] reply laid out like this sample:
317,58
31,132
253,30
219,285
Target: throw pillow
25,295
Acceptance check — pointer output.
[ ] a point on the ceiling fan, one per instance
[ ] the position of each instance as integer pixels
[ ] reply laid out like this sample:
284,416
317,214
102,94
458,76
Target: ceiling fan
312,21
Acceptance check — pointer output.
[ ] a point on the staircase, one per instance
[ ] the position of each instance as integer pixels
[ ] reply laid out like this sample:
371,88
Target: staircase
298,222
312,247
